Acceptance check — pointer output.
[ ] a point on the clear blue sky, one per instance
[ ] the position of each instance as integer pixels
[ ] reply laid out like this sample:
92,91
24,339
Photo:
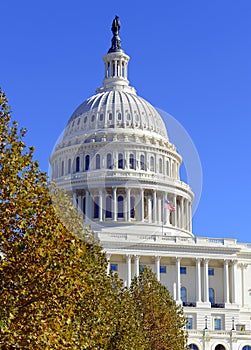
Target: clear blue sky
190,58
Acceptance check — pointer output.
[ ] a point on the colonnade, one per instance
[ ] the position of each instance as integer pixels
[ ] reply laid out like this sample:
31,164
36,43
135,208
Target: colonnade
134,204
200,278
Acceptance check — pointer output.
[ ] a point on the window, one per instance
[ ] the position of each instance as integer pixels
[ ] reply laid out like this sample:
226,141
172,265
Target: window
97,161
141,268
114,267
109,161
160,166
85,119
62,168
77,164
167,168
152,164
110,116
120,161
69,166
162,269
108,207
87,162
210,272
128,116
211,295
189,324
120,207
119,116
142,162
132,208
183,270
132,161
183,294
96,208
93,118
217,324
101,116
246,347
193,346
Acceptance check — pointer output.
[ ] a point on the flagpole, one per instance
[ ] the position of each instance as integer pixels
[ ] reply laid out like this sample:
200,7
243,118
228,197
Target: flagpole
163,207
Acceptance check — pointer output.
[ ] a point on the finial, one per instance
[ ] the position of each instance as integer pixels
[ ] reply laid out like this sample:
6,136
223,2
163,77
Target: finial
116,39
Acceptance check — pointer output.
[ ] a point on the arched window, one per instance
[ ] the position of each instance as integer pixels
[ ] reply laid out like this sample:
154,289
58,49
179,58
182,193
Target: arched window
120,161
108,207
109,161
160,166
211,295
220,347
246,347
87,162
119,116
142,162
132,161
183,294
167,168
62,168
69,166
193,346
152,163
120,207
97,161
77,164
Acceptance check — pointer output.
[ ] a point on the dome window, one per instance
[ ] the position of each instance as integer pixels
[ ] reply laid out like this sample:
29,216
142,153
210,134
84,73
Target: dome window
85,119
69,165
87,162
62,168
109,161
128,117
119,116
101,117
152,163
78,121
77,164
132,161
160,166
110,116
98,161
121,161
120,207
93,118
137,117
72,125
142,162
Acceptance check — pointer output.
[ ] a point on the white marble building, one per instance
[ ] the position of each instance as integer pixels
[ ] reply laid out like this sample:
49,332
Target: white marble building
116,161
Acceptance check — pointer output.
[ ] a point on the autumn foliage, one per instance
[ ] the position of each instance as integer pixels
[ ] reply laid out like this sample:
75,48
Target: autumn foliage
54,289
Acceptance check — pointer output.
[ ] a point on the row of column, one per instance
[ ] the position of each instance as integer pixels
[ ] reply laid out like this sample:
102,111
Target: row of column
148,207
198,280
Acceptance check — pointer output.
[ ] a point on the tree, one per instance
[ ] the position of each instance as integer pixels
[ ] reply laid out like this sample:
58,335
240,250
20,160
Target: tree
163,322
55,292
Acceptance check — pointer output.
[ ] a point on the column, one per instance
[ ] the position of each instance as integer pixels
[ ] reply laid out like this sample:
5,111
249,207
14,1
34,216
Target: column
182,216
165,211
114,204
160,211
142,204
198,280
178,280
243,283
87,206
154,205
128,197
157,267
74,198
234,264
206,286
226,282
136,265
187,216
174,213
108,257
129,270
149,205
100,203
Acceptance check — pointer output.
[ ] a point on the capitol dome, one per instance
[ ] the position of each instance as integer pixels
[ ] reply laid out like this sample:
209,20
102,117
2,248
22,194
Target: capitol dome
116,161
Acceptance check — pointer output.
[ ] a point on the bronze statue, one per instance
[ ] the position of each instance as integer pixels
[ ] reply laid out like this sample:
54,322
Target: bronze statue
116,25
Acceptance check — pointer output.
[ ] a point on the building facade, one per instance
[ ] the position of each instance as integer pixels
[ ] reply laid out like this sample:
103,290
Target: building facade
116,161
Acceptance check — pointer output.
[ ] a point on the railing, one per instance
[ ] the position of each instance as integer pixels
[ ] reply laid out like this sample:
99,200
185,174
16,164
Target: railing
189,304
217,305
